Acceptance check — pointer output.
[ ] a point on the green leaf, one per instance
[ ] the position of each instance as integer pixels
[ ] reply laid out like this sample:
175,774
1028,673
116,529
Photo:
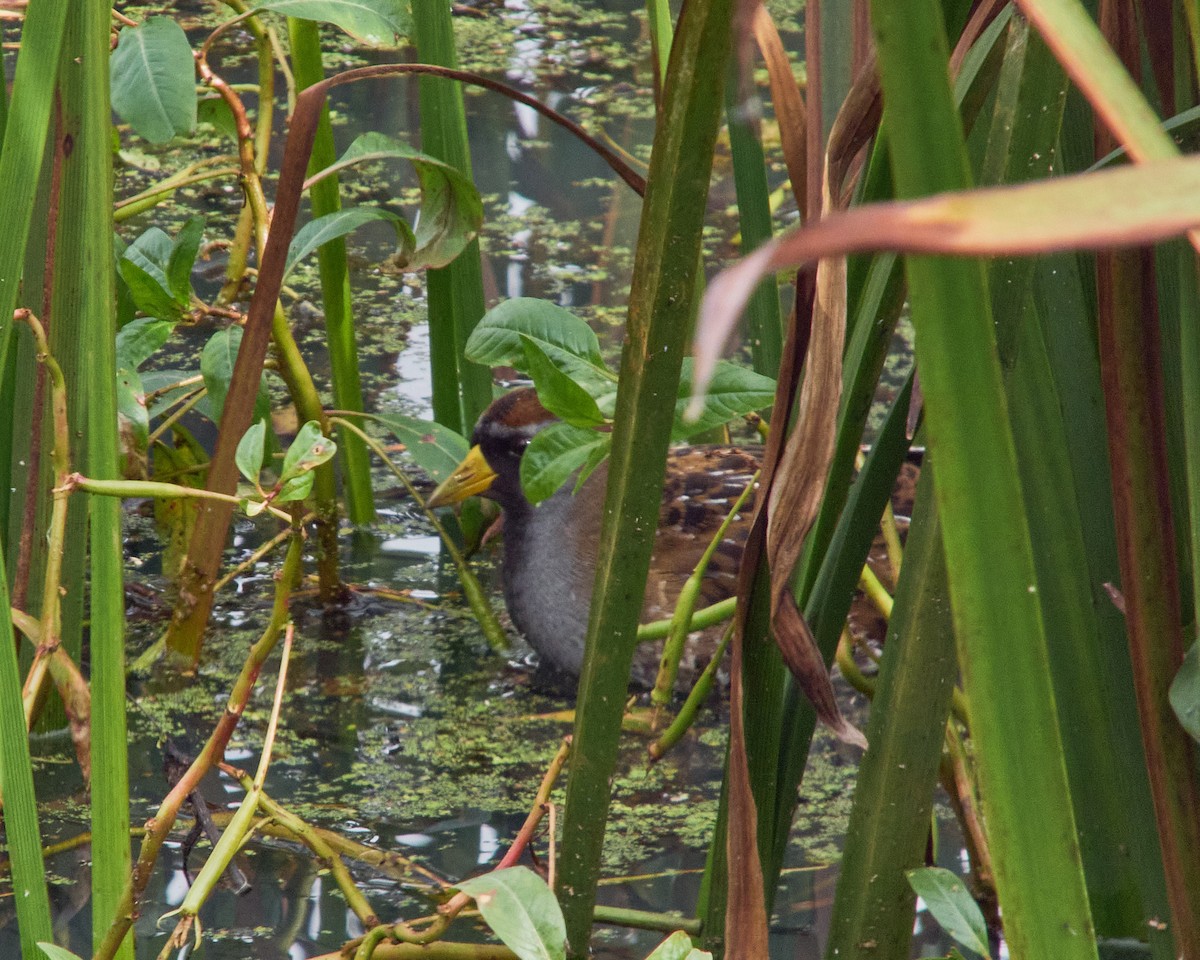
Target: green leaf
565,339
131,410
251,451
558,393
216,367
522,912
734,392
377,23
1185,692
55,952
952,906
451,211
215,111
310,449
139,340
554,454
153,380
296,488
678,946
143,266
436,449
333,225
154,79
181,259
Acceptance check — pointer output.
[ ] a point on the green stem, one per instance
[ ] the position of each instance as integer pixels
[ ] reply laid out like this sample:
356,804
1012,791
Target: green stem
472,590
335,279
159,827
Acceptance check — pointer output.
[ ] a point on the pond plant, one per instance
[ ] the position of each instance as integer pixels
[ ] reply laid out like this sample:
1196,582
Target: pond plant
946,162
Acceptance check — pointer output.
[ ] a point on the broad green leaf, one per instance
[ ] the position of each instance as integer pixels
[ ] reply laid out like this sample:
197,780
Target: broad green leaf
563,337
143,266
251,450
436,449
377,23
952,906
522,912
139,340
1185,692
554,454
333,225
559,394
733,392
183,255
154,79
216,367
310,449
678,946
55,952
451,211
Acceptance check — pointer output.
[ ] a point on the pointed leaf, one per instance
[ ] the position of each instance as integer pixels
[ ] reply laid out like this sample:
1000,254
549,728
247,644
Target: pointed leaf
55,952
559,394
554,454
317,232
139,340
183,256
377,23
522,912
733,392
451,211
143,266
216,367
952,906
154,79
436,449
563,337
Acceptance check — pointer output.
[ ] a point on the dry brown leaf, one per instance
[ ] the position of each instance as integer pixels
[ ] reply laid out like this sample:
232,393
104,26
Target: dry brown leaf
787,102
1159,199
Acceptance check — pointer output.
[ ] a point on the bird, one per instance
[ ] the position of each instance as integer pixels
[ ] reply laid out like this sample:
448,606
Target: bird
550,549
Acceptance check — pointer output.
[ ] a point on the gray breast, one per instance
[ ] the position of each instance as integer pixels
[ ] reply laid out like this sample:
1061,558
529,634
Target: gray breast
548,581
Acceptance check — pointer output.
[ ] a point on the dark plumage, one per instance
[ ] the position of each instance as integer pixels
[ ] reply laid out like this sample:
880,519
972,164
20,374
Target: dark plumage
550,549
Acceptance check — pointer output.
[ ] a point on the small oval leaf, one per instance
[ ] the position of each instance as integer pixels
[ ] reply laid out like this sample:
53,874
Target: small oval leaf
251,450
310,449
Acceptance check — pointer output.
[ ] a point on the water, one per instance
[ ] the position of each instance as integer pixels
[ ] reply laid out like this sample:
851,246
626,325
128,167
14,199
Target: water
400,728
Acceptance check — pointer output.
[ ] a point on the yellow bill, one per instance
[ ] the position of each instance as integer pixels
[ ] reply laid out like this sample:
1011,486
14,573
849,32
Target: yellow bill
470,478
